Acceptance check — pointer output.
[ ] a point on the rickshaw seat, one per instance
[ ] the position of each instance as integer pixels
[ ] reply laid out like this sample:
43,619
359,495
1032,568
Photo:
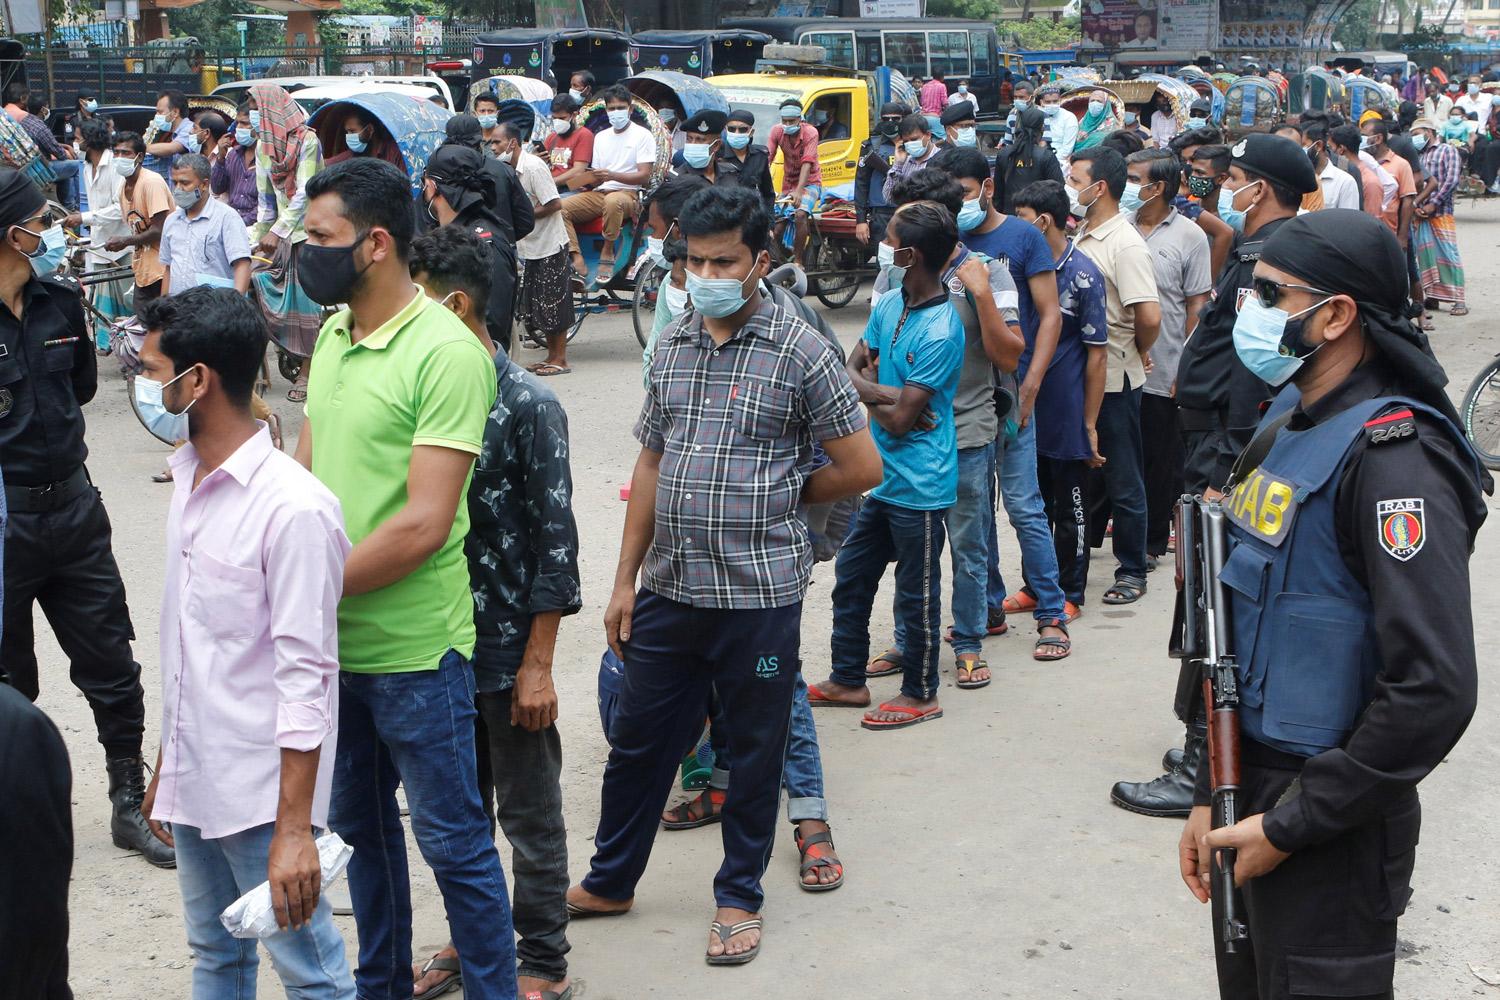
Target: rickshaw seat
593,227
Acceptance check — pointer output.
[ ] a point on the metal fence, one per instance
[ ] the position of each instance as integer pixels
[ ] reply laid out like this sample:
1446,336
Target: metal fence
138,75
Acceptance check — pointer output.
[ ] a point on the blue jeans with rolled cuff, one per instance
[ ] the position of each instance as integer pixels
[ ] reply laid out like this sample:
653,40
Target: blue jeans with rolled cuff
1021,491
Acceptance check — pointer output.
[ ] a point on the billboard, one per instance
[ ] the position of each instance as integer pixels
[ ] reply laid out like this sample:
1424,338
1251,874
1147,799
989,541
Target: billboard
1120,24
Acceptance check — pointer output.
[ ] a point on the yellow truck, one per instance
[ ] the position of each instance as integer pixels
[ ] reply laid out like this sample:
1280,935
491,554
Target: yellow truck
843,103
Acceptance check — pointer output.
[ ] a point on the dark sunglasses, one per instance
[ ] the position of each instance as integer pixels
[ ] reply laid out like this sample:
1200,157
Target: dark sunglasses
1268,292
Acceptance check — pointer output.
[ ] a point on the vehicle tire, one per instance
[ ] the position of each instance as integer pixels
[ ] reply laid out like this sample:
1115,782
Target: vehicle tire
581,309
135,408
833,292
289,364
1481,414
643,306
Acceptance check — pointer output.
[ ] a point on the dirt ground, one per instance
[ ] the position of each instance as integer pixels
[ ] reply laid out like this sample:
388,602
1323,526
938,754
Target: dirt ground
983,856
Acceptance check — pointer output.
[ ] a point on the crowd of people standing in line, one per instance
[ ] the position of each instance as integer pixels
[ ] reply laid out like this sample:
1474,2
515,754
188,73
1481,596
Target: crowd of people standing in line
1058,333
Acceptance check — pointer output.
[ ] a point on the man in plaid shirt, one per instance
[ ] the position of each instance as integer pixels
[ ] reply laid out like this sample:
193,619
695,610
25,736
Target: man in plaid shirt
738,393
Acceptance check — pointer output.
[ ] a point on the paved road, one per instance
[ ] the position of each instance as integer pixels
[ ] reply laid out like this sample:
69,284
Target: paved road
983,856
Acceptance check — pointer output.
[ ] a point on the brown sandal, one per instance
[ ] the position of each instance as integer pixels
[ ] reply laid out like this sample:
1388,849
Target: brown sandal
1045,642
812,862
701,810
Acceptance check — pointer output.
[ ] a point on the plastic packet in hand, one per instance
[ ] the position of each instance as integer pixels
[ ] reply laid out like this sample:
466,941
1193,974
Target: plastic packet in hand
252,916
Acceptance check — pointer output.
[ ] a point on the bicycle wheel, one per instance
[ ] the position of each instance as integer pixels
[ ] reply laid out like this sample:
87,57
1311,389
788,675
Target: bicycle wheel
1481,414
835,291
643,306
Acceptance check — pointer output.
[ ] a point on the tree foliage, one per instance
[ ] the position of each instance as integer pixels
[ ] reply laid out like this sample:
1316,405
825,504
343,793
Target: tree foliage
1037,32
1358,29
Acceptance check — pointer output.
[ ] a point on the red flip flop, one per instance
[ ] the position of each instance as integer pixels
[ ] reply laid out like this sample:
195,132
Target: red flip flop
914,716
817,699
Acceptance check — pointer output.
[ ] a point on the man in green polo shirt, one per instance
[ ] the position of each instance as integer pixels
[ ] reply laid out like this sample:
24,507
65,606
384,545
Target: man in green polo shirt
396,407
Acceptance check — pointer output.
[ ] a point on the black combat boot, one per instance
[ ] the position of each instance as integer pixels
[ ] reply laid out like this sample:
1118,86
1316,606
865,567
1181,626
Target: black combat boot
127,827
1169,795
1171,759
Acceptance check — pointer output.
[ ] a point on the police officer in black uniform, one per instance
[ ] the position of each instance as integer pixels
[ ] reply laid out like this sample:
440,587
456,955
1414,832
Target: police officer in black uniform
872,213
1351,521
1218,398
742,162
57,541
703,138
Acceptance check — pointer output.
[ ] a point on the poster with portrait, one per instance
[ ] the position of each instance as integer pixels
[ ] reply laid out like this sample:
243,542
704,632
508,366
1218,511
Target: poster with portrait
1121,24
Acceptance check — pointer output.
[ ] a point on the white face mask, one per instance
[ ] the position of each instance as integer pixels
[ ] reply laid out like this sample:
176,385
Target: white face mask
562,126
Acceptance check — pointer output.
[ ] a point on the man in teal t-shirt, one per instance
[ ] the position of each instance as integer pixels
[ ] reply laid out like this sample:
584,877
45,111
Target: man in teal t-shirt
913,349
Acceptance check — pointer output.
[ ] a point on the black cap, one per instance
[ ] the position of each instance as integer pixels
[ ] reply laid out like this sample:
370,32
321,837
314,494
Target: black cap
1202,105
706,122
1276,159
894,108
955,113
20,199
742,116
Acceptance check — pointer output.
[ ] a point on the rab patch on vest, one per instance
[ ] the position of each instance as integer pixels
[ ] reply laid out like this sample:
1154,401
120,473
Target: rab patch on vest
1391,427
1263,505
1403,528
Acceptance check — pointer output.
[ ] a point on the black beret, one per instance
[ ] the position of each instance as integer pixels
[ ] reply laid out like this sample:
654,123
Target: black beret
706,122
742,116
1276,159
955,113
20,199
894,108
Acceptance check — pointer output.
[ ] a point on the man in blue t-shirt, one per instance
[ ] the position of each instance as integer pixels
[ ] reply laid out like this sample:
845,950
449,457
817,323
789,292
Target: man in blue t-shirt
1024,251
913,350
1067,408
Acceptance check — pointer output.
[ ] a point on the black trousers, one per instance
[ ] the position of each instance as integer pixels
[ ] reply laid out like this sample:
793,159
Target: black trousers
1065,495
1164,463
1322,923
879,217
1485,160
676,655
520,783
62,560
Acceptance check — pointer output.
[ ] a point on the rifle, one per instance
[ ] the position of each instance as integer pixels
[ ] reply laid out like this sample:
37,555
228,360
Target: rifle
1201,637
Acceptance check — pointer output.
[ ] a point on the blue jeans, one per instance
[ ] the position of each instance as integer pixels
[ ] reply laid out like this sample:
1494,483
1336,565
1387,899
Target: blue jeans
914,540
214,873
1124,477
67,181
971,539
1022,493
802,776
417,729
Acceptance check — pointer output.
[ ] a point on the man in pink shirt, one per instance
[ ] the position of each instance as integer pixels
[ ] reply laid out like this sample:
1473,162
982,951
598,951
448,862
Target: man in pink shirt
249,653
801,173
934,94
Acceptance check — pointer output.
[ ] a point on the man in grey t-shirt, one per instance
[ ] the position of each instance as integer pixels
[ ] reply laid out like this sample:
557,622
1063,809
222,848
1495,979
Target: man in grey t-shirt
1180,257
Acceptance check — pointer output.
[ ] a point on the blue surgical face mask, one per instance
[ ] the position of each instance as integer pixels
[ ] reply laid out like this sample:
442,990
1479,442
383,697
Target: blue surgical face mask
895,274
254,120
791,128
667,116
1131,200
737,140
1419,141
697,154
49,253
1232,216
966,137
355,142
577,95
971,215
1260,332
244,136
159,122
1366,141
915,147
618,118
1021,105
154,414
672,299
654,250
91,106
1096,107
191,143
1132,119
487,121
717,297
1051,110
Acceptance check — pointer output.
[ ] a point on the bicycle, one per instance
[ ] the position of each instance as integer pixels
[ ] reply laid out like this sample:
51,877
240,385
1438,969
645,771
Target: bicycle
835,262
1480,412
